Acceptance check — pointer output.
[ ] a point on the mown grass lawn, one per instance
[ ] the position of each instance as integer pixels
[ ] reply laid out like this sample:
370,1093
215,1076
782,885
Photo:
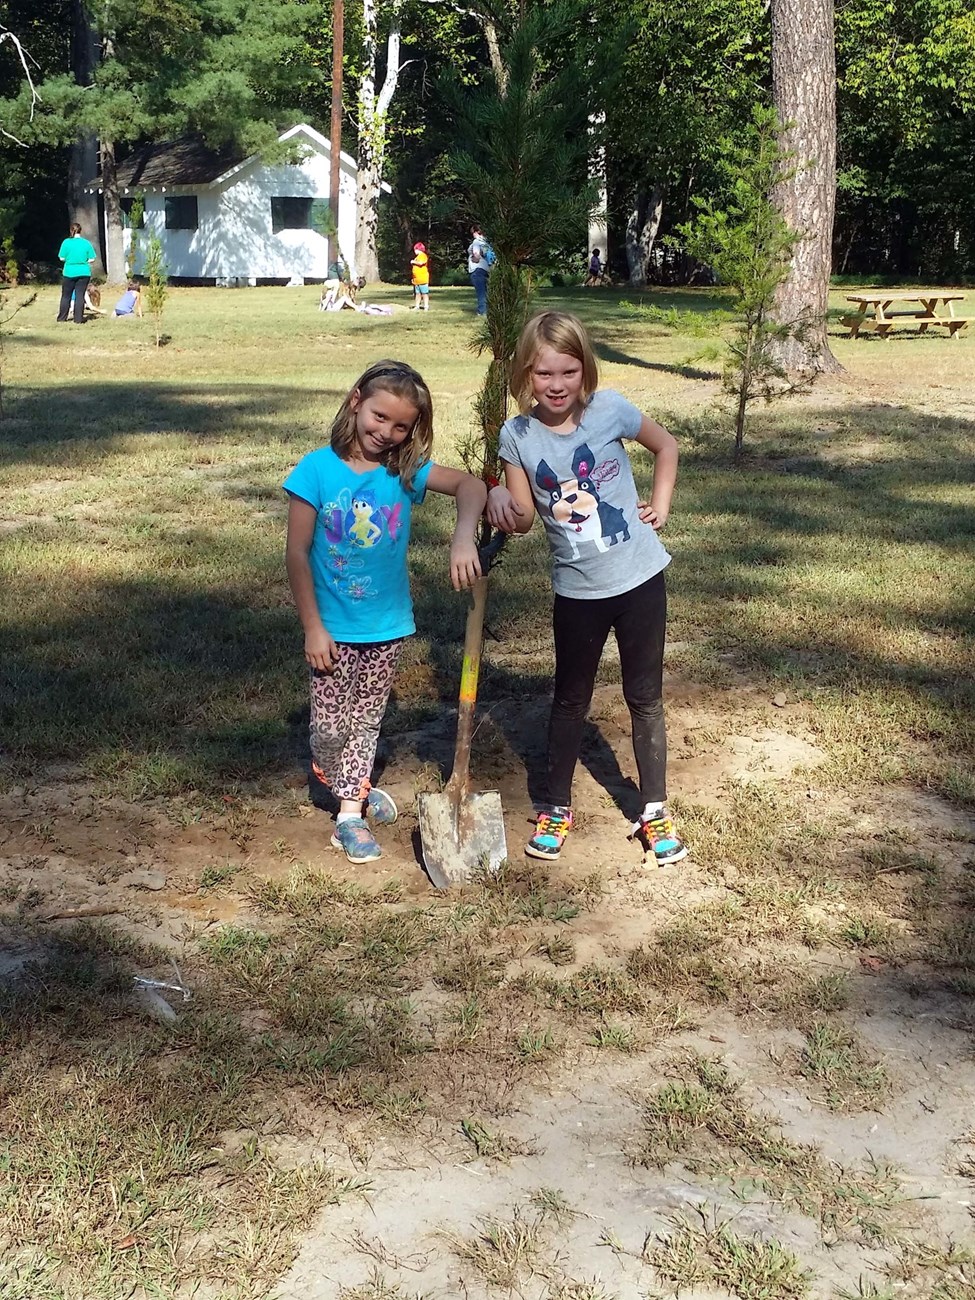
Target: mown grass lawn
147,628
148,648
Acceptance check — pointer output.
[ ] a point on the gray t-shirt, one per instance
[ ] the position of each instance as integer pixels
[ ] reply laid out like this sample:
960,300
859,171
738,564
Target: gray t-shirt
584,491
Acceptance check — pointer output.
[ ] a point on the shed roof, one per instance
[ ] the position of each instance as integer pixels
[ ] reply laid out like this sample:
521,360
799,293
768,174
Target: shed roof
190,162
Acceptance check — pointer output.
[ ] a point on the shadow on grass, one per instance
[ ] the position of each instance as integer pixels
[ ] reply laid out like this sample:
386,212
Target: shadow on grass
52,426
606,352
192,675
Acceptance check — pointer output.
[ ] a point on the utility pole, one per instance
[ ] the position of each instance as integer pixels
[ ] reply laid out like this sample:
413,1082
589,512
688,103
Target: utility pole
335,137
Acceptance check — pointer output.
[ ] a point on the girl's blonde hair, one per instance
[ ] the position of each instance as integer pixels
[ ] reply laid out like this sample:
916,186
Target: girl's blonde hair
401,380
564,333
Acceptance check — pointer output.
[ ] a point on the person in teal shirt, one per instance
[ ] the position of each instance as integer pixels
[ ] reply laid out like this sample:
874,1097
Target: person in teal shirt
77,255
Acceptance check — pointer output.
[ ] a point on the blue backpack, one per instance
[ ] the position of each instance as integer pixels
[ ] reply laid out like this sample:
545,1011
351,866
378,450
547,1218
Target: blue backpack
490,256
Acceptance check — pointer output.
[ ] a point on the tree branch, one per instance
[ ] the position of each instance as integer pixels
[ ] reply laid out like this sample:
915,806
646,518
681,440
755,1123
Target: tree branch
35,98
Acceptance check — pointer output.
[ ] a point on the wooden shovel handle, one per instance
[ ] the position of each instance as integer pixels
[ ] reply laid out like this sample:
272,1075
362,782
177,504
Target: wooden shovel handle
473,641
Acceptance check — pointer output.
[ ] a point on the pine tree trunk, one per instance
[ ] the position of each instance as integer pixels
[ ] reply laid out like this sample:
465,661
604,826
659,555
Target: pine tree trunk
373,118
114,255
83,160
804,90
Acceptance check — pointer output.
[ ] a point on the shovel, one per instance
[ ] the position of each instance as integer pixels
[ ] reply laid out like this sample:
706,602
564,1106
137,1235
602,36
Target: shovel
461,830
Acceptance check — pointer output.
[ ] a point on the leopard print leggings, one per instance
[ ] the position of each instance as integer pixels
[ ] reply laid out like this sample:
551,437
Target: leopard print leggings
347,707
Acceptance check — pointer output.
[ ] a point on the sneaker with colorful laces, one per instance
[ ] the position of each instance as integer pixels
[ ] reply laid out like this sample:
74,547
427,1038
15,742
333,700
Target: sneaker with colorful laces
552,826
381,807
356,839
658,836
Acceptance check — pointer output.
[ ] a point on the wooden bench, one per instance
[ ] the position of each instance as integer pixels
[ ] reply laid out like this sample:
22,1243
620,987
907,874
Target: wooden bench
870,325
954,323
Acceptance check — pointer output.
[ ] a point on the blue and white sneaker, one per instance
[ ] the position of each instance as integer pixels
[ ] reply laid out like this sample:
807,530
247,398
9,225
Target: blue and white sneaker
356,840
381,807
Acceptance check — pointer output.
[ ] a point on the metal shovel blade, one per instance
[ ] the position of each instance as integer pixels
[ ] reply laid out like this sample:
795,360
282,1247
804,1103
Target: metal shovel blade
457,838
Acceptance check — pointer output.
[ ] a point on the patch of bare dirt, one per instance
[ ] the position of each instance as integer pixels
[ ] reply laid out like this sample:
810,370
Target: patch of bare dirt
171,872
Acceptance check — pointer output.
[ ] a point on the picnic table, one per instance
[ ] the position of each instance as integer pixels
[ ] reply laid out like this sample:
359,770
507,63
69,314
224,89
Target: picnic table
928,308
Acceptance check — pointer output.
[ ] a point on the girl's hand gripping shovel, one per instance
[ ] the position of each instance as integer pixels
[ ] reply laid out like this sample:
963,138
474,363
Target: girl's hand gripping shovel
460,830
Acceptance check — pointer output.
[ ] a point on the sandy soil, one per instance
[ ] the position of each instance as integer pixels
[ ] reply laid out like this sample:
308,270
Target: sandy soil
74,853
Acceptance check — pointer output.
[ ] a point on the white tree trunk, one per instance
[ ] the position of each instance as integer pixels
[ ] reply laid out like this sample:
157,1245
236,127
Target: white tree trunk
598,229
373,113
651,226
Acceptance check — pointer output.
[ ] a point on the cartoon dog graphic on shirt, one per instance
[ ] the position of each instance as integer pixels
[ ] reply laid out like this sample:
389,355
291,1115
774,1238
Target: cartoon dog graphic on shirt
575,504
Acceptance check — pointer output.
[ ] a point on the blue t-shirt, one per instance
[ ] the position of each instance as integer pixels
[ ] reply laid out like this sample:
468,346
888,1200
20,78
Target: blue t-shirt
584,490
358,552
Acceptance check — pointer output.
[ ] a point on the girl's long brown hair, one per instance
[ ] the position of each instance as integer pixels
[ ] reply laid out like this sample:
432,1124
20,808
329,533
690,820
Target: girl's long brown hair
403,381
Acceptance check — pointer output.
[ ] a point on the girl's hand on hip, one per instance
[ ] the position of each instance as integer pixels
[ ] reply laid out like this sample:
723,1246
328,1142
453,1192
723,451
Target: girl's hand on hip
655,516
465,564
502,510
321,652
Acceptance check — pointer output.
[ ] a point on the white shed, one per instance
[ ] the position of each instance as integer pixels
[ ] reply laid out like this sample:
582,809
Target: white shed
232,220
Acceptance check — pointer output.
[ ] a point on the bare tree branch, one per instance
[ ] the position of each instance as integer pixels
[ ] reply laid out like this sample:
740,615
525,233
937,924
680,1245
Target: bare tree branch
35,98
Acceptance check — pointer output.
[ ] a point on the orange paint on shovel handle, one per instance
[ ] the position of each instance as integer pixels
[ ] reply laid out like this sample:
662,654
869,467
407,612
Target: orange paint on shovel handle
468,680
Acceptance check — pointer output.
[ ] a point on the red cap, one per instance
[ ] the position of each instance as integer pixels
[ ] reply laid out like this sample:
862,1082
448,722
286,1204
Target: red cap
419,248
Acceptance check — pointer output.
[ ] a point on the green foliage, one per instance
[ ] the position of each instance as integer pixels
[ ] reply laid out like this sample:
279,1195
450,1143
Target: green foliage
520,164
688,77
747,243
136,214
7,313
906,110
9,267
156,281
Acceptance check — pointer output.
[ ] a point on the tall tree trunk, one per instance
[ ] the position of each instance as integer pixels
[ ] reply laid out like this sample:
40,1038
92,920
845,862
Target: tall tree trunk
634,258
598,227
333,252
804,90
372,134
651,226
494,54
641,232
114,255
83,160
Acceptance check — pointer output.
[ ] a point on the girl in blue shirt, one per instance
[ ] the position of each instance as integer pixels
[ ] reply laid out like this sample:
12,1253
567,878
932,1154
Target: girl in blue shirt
348,532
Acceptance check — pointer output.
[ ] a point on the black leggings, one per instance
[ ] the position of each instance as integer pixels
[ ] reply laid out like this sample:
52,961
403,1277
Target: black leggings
76,284
638,617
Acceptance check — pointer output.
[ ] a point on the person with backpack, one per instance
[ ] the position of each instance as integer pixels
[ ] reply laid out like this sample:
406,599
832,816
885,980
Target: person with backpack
480,259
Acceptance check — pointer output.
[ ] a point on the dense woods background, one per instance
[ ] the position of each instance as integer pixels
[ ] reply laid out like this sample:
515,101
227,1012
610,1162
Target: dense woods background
680,86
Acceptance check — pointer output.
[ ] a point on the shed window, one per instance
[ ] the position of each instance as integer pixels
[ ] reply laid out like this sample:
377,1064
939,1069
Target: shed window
290,214
127,214
181,213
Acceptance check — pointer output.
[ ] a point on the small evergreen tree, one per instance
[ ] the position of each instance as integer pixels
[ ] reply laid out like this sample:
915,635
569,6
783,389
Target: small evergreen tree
521,167
748,245
136,214
156,282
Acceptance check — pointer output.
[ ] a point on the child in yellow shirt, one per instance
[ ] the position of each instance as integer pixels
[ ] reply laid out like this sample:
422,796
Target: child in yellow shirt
421,278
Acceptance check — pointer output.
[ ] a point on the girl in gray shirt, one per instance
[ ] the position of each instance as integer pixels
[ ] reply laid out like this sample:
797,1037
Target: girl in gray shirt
563,456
